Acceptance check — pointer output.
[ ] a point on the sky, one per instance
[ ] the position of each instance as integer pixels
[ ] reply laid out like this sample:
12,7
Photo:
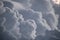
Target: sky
29,20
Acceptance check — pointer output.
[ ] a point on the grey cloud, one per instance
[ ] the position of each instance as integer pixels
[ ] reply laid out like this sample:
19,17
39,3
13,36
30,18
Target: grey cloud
8,4
27,29
10,22
41,23
25,3
28,22
7,15
19,5
1,4
45,7
2,10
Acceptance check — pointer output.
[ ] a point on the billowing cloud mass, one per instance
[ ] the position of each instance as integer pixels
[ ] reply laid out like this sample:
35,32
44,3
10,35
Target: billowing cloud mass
27,18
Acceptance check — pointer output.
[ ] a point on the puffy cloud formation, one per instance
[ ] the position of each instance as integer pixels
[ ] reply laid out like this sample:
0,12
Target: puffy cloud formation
26,3
8,4
1,7
42,25
27,18
9,21
56,2
47,11
28,29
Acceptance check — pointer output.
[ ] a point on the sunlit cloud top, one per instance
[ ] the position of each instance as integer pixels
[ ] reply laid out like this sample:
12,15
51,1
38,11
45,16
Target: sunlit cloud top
56,2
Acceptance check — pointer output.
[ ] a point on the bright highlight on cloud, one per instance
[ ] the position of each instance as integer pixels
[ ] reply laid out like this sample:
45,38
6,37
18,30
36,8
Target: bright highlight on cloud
27,19
56,2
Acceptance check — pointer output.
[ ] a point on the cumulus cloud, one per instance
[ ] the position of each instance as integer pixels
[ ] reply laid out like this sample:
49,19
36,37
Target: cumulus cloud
1,4
42,25
26,3
28,29
8,4
11,24
47,11
9,21
2,10
22,20
19,5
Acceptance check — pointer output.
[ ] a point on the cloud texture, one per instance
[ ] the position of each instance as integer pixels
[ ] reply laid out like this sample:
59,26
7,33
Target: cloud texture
27,18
